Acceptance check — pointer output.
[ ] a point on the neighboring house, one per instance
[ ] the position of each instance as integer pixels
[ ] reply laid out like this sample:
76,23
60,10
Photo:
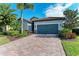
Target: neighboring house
50,25
26,25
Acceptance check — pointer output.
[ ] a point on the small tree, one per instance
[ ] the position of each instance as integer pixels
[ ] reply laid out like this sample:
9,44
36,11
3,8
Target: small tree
71,19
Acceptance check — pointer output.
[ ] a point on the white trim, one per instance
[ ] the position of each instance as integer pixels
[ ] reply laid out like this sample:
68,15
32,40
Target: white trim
48,22
59,22
47,35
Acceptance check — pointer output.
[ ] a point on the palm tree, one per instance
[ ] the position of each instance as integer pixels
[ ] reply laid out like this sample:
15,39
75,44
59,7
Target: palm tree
22,7
6,16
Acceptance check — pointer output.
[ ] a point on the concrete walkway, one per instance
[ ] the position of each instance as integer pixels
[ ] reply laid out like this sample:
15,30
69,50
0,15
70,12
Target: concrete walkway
33,45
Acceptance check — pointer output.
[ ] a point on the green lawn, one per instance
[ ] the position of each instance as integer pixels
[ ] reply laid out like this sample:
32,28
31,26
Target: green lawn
3,40
71,47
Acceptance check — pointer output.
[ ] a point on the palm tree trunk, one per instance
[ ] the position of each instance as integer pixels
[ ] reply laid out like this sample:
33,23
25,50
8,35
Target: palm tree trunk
21,21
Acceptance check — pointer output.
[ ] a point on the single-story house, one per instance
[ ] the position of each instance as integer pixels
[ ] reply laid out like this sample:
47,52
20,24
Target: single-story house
50,25
26,24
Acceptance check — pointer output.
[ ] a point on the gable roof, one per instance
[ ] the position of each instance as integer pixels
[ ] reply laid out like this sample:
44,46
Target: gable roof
34,18
49,19
24,20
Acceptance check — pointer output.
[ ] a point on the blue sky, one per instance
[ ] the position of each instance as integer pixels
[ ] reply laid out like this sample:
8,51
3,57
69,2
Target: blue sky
42,10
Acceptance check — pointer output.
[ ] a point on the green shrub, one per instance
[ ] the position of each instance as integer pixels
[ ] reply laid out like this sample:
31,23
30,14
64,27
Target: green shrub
14,33
25,33
0,29
28,32
63,32
17,34
21,35
6,33
61,35
1,33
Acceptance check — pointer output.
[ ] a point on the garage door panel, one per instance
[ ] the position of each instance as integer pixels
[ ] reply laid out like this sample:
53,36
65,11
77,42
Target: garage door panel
47,29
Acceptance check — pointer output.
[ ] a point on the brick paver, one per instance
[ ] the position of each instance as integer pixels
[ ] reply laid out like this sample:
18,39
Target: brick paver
33,45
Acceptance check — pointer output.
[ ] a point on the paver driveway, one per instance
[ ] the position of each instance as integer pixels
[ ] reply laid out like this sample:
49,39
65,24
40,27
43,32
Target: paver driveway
33,45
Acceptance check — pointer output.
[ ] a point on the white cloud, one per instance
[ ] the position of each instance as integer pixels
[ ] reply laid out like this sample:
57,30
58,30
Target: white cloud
56,11
78,8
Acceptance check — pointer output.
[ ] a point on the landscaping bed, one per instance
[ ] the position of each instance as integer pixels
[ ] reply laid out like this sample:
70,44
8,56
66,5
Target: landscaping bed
70,42
71,46
6,37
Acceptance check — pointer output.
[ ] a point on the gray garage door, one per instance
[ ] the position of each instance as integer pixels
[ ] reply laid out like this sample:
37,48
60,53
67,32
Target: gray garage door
47,29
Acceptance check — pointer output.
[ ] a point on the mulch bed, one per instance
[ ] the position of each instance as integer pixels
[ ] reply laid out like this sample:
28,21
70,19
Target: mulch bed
12,38
69,40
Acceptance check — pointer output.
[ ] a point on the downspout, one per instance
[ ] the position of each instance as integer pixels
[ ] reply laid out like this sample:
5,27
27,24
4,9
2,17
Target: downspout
32,26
